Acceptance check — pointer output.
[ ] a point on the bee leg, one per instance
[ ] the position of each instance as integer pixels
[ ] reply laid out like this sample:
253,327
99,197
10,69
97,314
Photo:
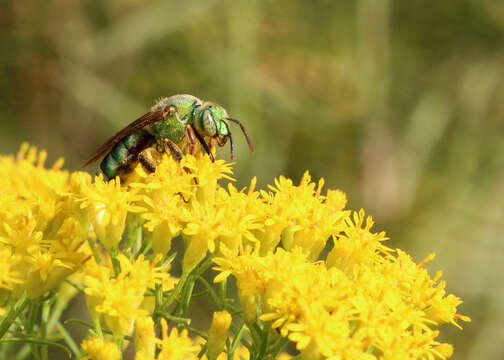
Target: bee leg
173,148
182,197
204,144
172,110
149,160
191,139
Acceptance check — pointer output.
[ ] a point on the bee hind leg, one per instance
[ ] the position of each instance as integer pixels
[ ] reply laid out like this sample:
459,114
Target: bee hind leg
149,158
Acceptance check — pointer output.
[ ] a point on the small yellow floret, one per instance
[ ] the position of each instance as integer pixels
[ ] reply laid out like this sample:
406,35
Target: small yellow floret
99,349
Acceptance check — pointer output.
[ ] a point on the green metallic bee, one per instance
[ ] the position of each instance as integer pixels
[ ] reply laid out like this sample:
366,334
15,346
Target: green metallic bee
172,124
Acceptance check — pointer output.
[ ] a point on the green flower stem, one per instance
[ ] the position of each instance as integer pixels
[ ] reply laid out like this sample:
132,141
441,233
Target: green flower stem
176,291
187,296
176,319
210,290
223,294
197,332
200,269
235,331
264,340
158,293
74,285
46,311
168,259
13,313
133,243
40,342
91,326
56,313
255,334
33,310
236,341
115,263
279,345
200,294
97,326
74,348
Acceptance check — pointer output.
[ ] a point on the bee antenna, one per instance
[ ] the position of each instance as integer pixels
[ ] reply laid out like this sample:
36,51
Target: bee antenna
251,147
231,141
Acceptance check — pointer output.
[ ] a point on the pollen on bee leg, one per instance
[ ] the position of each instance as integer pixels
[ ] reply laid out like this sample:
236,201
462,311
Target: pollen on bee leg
150,159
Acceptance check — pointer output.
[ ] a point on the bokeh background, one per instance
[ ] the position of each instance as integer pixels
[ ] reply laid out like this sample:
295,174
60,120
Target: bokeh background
398,103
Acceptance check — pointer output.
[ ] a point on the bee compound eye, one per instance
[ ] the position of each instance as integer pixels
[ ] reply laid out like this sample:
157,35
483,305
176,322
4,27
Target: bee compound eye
209,123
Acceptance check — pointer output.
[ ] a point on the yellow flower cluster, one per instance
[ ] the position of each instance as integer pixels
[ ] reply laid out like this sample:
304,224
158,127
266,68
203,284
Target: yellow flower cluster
363,301
386,309
42,237
120,299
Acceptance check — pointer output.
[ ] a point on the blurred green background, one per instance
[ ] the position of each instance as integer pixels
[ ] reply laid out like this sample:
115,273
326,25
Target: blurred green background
398,103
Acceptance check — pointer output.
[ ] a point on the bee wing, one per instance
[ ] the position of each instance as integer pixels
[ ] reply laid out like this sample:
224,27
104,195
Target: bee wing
141,122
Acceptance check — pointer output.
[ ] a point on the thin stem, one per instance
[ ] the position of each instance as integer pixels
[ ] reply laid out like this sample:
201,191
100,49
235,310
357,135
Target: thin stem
197,332
46,310
69,340
176,319
116,265
275,349
176,291
200,269
77,287
223,293
255,334
14,312
91,326
187,296
97,326
37,341
158,293
200,294
209,288
236,341
264,339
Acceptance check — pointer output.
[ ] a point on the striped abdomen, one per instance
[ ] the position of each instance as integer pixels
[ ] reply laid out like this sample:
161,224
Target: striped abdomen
125,152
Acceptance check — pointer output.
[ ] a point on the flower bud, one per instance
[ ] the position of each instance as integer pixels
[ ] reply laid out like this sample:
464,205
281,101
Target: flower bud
218,334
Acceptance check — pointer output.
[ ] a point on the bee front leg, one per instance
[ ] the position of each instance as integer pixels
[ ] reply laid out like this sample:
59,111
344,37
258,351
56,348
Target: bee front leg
191,139
173,148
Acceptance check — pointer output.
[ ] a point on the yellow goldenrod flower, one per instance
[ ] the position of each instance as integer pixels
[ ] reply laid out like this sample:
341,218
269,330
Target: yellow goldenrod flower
35,222
9,276
328,313
364,301
206,173
176,346
164,193
218,334
119,299
98,349
355,244
145,337
205,223
108,205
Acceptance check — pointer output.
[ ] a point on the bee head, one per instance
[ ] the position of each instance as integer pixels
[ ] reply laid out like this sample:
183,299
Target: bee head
209,120
212,120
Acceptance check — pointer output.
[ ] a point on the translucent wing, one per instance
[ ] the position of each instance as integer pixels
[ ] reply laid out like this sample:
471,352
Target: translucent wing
141,122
